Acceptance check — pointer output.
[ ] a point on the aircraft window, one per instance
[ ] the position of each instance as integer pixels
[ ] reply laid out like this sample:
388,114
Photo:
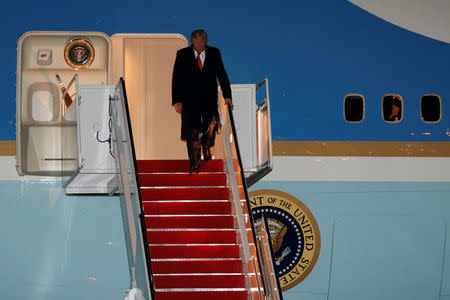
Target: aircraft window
354,108
392,108
431,108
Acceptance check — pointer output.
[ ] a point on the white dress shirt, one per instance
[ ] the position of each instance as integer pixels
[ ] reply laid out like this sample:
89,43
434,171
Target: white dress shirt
202,56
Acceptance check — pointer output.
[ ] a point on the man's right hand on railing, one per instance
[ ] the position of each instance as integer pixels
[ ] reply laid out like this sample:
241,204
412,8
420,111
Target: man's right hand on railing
178,107
229,102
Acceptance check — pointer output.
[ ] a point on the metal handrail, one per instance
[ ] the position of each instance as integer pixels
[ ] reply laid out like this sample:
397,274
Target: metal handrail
273,284
227,138
233,179
244,184
128,172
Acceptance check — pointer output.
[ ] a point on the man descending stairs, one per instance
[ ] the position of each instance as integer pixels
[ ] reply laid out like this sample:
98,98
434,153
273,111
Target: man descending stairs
191,232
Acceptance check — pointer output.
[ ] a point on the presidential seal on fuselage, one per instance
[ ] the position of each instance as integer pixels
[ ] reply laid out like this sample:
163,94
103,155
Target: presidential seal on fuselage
79,53
294,234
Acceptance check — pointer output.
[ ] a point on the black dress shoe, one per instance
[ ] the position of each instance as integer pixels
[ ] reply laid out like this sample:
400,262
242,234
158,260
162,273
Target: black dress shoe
195,168
206,153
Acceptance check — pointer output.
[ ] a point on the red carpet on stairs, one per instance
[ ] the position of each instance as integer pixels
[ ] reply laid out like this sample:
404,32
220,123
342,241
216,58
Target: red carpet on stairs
190,229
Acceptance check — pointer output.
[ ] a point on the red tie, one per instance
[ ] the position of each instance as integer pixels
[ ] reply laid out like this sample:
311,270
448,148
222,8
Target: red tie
199,61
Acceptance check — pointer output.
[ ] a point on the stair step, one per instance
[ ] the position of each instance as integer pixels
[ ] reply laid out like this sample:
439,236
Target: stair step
218,294
192,240
191,237
194,251
186,207
221,193
218,179
207,221
199,281
197,266
177,165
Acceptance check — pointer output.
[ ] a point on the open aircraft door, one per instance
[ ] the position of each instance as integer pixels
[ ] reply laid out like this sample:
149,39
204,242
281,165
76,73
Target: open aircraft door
252,118
70,137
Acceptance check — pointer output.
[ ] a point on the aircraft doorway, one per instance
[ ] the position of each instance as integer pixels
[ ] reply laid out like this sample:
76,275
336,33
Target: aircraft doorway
146,61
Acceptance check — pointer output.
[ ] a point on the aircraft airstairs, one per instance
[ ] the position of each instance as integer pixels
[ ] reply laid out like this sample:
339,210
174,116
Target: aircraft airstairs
188,236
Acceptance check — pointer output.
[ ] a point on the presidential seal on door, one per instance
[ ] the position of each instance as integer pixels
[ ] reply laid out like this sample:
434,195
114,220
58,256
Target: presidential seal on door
79,53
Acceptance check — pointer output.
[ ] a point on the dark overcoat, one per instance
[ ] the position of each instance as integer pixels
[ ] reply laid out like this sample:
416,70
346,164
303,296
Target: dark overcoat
197,89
